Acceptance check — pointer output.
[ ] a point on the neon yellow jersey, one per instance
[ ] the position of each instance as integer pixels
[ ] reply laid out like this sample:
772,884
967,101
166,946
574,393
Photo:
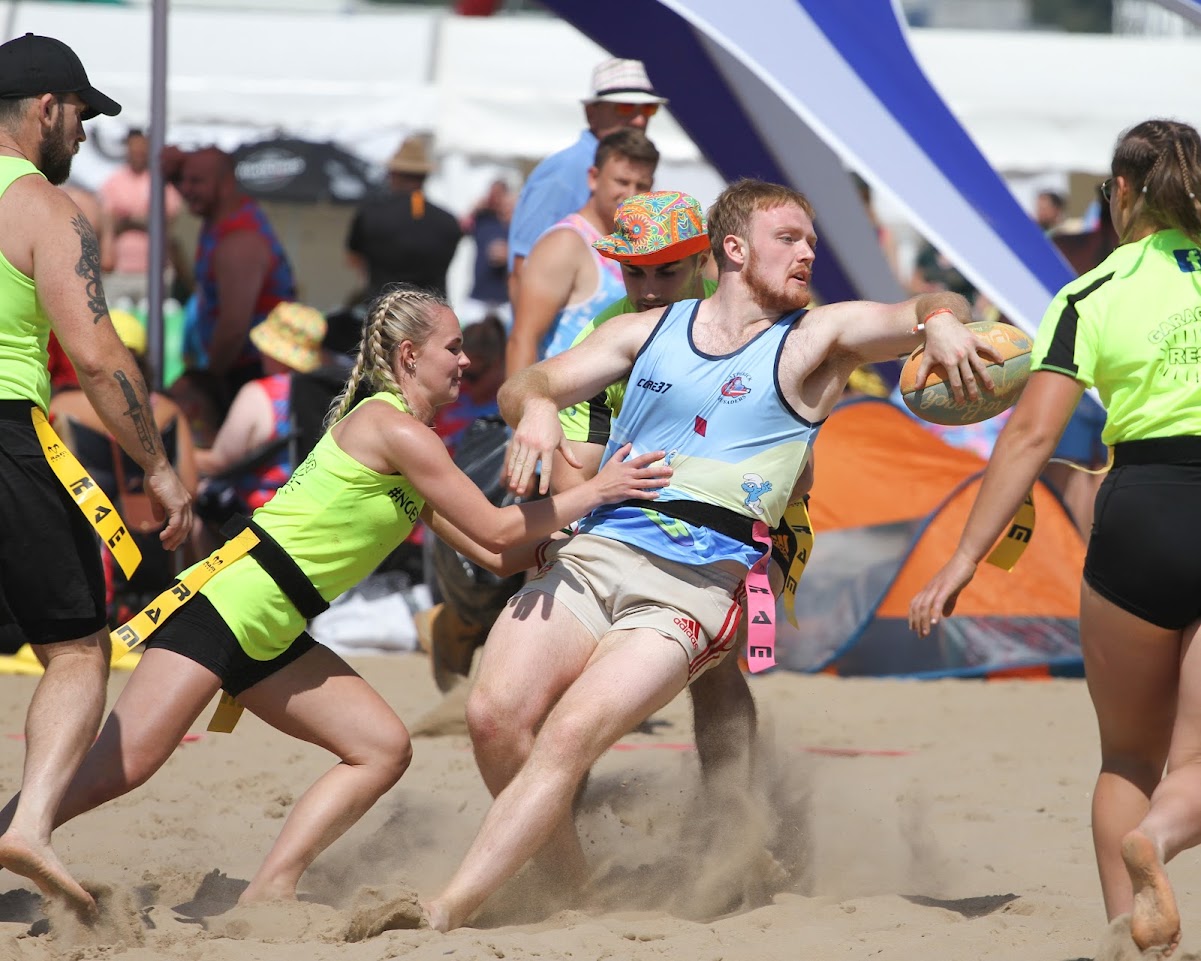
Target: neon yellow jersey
588,422
1132,328
337,519
24,326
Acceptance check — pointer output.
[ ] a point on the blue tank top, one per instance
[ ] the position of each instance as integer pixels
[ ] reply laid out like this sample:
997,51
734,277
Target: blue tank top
574,317
731,438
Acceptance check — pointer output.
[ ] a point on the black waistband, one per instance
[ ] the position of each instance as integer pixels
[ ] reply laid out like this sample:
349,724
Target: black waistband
279,564
1158,450
721,519
17,411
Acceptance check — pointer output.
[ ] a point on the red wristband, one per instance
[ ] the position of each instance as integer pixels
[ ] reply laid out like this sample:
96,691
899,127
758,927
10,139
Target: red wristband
935,313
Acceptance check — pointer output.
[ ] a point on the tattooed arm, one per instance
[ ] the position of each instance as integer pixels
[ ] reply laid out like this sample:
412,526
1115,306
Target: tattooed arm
66,273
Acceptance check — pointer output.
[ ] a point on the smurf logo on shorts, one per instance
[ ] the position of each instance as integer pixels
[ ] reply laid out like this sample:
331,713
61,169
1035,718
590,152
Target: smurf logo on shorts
734,389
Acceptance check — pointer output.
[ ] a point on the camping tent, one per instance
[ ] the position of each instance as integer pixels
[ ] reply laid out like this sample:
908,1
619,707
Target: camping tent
888,506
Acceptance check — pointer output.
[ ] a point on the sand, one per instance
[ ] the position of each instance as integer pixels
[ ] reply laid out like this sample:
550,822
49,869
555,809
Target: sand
898,820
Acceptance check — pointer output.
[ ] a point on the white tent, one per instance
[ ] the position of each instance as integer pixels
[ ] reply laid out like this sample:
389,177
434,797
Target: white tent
509,87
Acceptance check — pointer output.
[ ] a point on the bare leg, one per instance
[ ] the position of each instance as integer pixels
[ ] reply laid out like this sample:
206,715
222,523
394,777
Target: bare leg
724,722
163,696
523,673
631,675
1173,823
1132,669
318,698
60,725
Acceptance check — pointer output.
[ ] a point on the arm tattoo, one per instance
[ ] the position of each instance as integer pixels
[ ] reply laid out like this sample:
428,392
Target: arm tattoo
88,267
138,413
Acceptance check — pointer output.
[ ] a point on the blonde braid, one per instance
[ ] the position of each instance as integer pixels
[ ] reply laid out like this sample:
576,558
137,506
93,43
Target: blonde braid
401,313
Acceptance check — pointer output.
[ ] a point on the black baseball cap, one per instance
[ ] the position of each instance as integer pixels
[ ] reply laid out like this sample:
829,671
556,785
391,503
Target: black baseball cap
33,65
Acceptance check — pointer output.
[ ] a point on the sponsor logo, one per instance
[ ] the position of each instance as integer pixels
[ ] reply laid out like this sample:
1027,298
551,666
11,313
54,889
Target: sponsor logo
658,386
1188,260
691,629
700,425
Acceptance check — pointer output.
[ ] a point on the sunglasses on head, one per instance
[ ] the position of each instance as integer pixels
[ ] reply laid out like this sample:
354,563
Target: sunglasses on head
627,110
1107,189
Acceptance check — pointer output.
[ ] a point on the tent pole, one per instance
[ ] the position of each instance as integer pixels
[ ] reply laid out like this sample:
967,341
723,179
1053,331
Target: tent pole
158,213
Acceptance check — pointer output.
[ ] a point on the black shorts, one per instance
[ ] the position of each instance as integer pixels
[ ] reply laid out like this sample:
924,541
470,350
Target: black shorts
1143,553
51,578
200,634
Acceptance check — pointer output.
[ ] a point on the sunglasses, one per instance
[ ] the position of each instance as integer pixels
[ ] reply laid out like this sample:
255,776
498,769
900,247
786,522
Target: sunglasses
628,110
1107,189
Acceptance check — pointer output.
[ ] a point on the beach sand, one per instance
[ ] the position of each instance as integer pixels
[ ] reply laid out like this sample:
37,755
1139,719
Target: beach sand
940,821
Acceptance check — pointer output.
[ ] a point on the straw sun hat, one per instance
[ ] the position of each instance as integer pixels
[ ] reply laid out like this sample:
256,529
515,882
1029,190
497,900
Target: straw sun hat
292,334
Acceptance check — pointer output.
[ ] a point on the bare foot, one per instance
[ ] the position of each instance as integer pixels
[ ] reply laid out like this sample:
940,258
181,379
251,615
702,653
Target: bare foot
258,893
41,865
1155,922
436,916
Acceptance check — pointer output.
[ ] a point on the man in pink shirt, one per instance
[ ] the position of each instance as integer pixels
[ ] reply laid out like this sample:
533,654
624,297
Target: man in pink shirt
126,199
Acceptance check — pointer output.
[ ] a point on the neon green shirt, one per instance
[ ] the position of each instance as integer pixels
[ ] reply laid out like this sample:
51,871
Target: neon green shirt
588,422
24,326
337,519
1132,328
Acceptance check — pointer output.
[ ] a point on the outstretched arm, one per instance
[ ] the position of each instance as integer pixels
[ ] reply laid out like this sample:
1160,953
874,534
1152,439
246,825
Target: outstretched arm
1026,443
872,333
530,400
414,450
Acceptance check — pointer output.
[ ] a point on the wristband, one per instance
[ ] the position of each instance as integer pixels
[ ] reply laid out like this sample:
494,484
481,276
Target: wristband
921,328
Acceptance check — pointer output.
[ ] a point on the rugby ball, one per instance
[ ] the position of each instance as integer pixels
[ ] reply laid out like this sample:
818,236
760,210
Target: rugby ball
934,402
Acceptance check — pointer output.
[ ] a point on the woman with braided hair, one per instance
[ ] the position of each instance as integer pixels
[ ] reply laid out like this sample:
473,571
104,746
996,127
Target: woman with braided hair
378,467
1131,328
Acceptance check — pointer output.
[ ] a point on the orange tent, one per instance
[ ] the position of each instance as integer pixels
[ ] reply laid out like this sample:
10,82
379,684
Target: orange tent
888,506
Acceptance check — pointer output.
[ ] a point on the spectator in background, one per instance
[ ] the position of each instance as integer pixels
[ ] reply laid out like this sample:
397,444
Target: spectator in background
488,226
933,271
401,237
565,282
884,236
260,419
484,343
622,96
125,196
242,271
1050,210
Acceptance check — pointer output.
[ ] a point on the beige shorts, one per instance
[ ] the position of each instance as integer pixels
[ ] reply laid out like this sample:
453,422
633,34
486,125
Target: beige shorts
612,586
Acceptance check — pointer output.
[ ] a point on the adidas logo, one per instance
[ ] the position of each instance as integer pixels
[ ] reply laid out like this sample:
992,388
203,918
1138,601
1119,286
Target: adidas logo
690,628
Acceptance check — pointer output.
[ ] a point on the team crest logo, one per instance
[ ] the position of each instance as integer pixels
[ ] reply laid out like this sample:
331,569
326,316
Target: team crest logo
736,388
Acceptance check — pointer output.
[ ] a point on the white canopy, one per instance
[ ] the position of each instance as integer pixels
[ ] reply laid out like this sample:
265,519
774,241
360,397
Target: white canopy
508,87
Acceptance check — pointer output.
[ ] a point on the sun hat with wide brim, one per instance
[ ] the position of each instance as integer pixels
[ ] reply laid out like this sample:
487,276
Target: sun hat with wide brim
292,334
656,228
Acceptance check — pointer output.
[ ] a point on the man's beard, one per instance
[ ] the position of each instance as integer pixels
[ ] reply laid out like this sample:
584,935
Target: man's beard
55,155
771,300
